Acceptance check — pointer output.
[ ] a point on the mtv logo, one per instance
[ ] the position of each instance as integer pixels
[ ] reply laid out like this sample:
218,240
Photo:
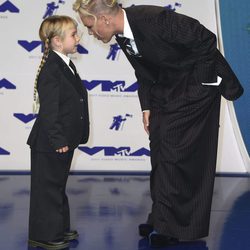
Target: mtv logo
4,152
4,83
109,86
29,46
25,118
112,151
9,6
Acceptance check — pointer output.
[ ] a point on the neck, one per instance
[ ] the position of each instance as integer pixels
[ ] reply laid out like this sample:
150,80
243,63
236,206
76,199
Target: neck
119,22
58,50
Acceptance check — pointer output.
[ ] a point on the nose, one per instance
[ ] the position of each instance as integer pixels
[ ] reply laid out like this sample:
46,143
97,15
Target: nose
78,38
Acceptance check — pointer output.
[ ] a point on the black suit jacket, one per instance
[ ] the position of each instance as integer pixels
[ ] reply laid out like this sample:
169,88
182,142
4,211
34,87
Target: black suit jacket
63,118
172,44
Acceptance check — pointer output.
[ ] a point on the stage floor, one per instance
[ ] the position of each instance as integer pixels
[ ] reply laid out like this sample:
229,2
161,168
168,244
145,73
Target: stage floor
106,210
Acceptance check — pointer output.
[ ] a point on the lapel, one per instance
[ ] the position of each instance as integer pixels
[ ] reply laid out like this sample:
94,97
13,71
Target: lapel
139,64
74,80
132,59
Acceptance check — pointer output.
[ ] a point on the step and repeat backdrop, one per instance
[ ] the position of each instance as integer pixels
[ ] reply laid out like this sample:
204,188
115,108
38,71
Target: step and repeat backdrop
118,141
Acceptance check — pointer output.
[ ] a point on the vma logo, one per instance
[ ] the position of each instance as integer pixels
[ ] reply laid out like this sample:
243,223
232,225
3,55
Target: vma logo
4,152
51,8
4,83
112,151
25,118
109,86
118,122
30,46
9,6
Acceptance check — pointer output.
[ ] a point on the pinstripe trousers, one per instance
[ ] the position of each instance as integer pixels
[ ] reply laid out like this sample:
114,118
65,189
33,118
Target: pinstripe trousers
183,144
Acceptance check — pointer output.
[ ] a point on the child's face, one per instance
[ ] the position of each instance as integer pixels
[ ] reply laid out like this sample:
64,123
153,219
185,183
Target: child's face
70,41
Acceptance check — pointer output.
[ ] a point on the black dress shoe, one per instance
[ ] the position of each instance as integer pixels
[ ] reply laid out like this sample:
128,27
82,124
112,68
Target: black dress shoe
71,235
49,245
145,230
160,240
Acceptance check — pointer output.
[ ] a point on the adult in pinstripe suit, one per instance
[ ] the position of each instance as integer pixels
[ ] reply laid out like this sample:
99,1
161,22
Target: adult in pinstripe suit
181,77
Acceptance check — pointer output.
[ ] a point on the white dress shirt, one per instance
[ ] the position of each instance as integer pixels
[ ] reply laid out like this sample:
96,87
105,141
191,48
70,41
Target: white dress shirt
65,59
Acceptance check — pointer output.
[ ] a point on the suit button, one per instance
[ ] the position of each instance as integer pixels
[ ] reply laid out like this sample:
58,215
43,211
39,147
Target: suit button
81,100
81,118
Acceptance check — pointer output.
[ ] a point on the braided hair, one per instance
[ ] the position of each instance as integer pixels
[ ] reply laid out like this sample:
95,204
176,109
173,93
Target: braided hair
36,103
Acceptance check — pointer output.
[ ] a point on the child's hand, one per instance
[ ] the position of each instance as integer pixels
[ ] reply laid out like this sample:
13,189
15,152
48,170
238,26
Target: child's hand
63,149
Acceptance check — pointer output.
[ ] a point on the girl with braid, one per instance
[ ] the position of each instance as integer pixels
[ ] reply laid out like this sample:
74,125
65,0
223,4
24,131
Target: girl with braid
61,125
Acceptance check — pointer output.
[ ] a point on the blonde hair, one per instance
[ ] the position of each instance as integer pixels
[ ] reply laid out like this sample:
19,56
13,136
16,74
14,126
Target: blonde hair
94,7
50,27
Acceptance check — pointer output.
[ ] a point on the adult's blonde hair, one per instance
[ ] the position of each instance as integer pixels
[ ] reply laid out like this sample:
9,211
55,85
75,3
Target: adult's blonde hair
50,27
95,7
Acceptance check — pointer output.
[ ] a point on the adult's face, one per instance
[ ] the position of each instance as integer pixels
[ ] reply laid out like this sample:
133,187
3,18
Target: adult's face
101,29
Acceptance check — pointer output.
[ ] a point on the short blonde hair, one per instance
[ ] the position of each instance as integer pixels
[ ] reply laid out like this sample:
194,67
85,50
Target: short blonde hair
95,7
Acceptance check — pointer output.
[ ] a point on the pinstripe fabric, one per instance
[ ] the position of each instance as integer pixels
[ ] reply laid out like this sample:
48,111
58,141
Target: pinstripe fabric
178,55
183,145
171,43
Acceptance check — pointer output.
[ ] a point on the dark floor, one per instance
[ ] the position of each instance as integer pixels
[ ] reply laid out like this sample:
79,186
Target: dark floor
106,211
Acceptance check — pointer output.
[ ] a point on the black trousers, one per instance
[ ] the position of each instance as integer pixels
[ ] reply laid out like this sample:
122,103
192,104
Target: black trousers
183,144
49,214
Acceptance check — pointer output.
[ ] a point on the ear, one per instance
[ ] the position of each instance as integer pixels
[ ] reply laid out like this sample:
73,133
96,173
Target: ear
106,19
56,41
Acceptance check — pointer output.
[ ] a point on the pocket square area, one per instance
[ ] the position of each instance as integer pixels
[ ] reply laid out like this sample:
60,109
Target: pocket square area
213,83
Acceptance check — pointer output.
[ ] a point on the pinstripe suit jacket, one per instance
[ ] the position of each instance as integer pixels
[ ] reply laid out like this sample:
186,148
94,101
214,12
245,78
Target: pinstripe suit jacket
171,44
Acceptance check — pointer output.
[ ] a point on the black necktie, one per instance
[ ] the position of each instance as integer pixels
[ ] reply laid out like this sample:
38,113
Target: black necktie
129,48
72,66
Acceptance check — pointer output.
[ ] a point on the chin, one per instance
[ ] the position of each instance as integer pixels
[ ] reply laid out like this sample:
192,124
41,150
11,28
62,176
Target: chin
106,40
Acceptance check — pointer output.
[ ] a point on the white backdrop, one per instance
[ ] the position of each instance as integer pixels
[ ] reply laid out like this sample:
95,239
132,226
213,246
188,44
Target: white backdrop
118,141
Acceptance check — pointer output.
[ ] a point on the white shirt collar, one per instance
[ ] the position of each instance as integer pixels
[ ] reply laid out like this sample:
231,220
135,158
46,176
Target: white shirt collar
65,58
127,32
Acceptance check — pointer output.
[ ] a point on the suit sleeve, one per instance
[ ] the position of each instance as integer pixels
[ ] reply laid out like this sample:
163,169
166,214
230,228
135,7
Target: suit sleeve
144,83
144,94
197,43
230,86
49,93
201,47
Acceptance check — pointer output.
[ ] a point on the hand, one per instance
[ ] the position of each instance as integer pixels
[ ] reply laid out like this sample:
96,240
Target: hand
146,115
63,149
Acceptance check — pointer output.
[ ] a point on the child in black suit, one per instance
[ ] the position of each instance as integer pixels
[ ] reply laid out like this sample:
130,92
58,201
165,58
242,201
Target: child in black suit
62,124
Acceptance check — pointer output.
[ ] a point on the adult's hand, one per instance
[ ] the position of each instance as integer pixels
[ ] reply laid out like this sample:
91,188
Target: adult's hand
146,115
63,149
